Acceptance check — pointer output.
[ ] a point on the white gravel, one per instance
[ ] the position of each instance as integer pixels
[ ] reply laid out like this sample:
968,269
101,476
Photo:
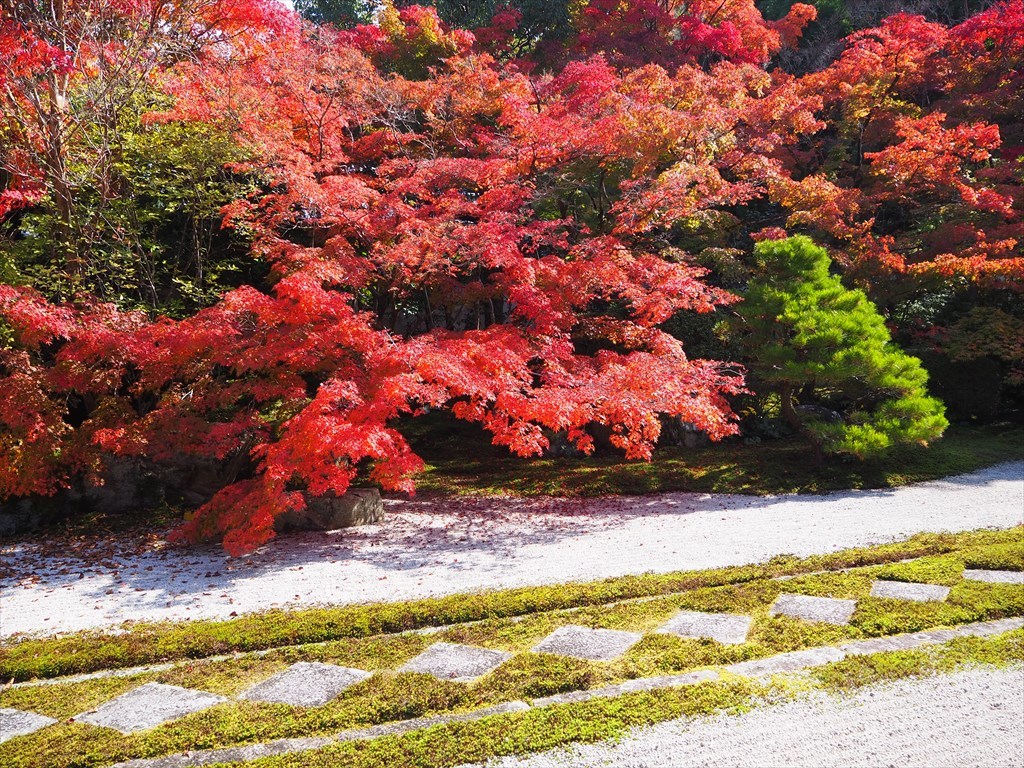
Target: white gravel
428,548
971,718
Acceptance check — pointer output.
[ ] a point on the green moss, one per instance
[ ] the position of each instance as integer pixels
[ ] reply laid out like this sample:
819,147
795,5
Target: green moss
370,653
997,557
530,676
858,671
225,679
927,570
469,465
850,586
781,634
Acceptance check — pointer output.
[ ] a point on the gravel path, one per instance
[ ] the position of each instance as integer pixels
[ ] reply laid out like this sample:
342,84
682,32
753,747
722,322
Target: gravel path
441,547
971,718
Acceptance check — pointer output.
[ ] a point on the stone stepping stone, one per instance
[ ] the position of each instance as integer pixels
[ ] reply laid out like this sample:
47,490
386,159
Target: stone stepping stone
724,628
995,577
461,663
905,590
305,684
586,643
148,706
830,610
14,722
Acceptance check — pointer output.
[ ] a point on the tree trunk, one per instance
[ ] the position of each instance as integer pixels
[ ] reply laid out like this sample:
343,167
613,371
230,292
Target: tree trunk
789,413
66,246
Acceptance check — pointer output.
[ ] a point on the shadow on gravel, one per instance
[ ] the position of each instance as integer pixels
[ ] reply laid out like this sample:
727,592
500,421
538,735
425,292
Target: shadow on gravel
435,546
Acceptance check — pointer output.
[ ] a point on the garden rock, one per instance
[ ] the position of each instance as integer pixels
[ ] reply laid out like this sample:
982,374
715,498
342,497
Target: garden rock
724,628
904,590
560,446
994,577
306,684
148,706
819,413
359,506
676,431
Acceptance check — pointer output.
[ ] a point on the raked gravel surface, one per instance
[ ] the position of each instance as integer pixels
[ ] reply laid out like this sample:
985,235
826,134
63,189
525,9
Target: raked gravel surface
968,719
436,547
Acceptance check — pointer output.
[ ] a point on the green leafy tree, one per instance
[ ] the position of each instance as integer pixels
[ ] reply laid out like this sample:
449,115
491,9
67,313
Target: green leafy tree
152,230
341,13
825,351
537,18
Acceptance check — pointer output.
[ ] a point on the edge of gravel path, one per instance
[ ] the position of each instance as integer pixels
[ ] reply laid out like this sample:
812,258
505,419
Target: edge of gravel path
431,548
967,717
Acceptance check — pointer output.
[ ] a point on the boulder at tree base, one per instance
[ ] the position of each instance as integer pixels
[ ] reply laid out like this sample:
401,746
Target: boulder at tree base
359,506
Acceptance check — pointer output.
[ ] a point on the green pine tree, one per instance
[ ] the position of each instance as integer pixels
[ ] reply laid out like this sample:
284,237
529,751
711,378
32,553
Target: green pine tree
816,343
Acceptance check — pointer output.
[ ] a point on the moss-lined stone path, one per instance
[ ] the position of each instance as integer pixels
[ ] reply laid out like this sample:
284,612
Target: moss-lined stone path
783,663
716,628
306,684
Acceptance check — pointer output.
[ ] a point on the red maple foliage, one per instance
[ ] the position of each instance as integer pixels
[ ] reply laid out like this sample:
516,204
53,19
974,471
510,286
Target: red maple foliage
446,231
672,33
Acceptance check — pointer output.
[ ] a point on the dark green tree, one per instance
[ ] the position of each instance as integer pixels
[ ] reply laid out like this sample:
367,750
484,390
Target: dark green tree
341,13
825,351
539,18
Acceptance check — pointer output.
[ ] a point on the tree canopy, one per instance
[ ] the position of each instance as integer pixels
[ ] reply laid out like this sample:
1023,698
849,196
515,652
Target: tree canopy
231,237
815,342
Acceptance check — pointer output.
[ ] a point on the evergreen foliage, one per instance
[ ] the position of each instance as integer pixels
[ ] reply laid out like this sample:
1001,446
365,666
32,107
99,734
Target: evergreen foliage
817,343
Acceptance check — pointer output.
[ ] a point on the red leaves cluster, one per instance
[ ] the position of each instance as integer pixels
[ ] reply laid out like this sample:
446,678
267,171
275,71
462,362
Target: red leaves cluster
672,34
448,232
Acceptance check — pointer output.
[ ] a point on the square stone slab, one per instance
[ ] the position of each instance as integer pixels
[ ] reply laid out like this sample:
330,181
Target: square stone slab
995,577
305,684
725,628
587,643
830,610
14,722
450,661
148,706
905,590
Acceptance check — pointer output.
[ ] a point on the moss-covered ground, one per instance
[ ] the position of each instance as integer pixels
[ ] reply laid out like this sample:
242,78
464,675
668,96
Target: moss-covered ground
513,621
462,461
